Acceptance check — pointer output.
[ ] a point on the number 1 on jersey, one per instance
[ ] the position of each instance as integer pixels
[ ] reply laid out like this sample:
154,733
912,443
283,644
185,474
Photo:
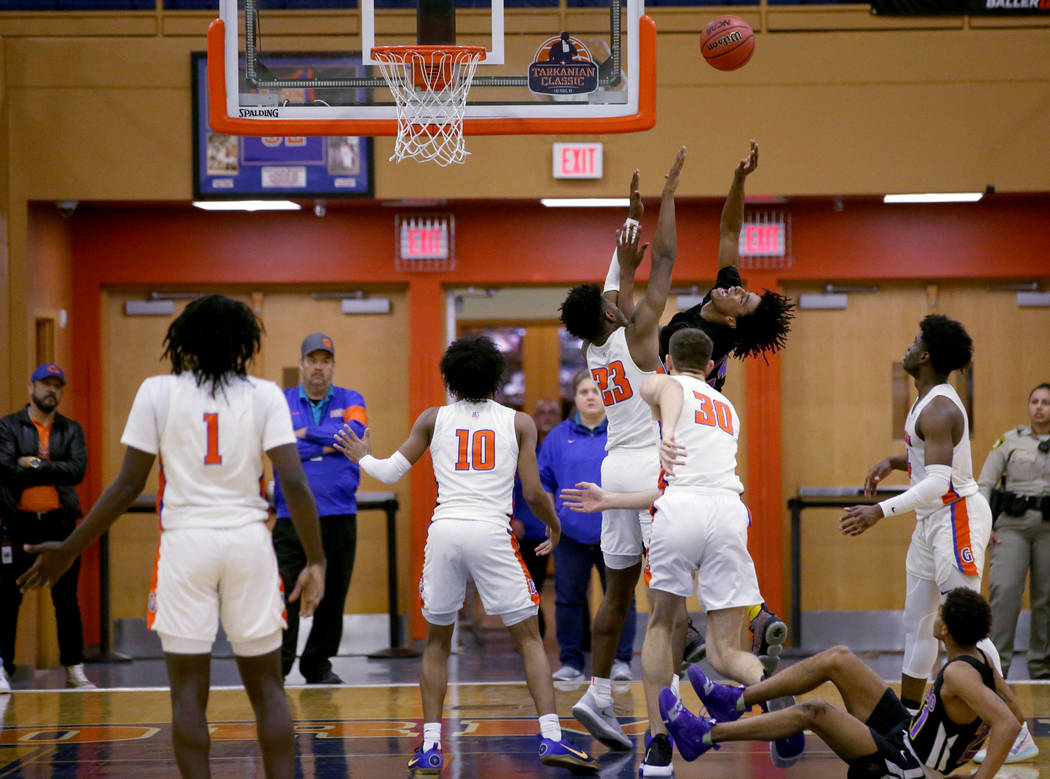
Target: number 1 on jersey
211,426
476,452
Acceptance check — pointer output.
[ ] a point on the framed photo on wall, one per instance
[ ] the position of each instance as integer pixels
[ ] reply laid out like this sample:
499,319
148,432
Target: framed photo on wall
231,166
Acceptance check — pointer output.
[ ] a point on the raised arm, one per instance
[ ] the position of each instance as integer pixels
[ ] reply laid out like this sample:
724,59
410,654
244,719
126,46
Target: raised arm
643,332
537,498
619,283
733,211
394,467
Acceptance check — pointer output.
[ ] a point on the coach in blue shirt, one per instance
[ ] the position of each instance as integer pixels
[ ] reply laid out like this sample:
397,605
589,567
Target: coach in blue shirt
318,410
573,452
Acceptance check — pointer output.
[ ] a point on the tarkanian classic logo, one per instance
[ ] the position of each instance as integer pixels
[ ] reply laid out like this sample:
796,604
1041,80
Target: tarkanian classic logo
563,66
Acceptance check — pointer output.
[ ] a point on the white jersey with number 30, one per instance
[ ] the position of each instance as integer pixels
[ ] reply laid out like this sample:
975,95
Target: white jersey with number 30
475,452
210,446
708,428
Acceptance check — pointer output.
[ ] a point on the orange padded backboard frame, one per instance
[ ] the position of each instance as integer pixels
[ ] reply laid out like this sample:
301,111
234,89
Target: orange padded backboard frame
222,122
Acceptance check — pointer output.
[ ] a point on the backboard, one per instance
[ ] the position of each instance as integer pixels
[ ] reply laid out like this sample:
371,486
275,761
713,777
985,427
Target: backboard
588,67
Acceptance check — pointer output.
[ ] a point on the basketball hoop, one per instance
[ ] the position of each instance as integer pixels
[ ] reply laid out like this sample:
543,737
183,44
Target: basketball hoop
430,86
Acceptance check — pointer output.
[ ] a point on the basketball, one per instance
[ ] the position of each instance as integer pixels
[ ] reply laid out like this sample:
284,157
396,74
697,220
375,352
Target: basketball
727,43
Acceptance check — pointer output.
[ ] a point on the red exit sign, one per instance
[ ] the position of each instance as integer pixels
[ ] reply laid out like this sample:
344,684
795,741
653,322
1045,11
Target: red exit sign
763,239
577,160
424,237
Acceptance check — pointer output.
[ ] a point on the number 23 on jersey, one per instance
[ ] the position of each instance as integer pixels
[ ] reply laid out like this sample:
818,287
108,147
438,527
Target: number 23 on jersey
612,383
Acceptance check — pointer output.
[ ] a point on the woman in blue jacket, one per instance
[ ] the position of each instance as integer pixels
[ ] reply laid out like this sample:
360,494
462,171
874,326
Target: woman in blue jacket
573,452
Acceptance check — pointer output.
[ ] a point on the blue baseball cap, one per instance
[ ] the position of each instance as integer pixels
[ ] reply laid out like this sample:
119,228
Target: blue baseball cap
316,341
48,371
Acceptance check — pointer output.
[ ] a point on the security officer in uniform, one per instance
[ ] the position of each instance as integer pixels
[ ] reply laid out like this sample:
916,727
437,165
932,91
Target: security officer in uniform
1021,534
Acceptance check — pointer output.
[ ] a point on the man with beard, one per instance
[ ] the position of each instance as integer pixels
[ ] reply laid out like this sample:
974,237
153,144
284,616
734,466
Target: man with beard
42,459
318,410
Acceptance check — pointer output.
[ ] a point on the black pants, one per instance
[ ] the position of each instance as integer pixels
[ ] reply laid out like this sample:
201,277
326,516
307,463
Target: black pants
26,528
537,565
339,539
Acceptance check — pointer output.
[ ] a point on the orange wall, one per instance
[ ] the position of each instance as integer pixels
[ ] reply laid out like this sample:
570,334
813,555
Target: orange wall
1001,238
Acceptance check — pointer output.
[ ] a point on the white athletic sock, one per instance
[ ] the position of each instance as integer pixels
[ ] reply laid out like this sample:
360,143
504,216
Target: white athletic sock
674,686
550,726
602,691
431,735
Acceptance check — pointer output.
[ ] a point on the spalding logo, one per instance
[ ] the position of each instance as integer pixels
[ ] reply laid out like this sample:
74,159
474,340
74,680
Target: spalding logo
966,555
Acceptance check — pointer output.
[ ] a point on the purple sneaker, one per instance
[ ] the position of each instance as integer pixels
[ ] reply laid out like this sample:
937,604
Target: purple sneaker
686,728
720,699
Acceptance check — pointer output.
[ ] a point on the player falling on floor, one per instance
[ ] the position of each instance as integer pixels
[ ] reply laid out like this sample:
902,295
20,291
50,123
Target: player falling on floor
621,349
875,735
699,529
740,323
477,445
953,522
209,423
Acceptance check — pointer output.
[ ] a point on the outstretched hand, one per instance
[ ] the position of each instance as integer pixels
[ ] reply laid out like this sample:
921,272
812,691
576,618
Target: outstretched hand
747,165
671,182
586,498
628,253
637,209
347,442
51,562
857,519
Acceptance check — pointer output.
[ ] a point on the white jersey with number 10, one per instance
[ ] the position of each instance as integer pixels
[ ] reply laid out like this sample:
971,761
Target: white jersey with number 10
708,428
475,452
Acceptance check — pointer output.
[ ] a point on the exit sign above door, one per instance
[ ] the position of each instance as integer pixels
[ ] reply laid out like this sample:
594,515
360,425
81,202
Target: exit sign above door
577,160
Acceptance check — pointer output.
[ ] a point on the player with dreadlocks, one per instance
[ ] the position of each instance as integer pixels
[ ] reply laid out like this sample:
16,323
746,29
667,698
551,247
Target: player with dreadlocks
738,321
209,422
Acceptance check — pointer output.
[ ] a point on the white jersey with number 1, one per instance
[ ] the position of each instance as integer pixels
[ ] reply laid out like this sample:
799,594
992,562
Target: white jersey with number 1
475,452
210,446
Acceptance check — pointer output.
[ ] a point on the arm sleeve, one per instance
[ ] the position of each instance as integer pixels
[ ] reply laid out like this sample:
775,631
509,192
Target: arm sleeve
9,470
612,280
930,489
387,471
142,430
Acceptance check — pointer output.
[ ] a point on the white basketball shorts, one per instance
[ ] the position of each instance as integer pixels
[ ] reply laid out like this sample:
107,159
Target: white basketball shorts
488,553
702,530
202,575
954,537
625,532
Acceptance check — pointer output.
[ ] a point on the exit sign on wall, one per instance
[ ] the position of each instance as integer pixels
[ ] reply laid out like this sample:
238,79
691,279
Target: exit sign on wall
577,160
765,240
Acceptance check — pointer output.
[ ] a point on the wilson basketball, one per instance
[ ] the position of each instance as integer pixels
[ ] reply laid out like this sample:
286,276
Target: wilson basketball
727,43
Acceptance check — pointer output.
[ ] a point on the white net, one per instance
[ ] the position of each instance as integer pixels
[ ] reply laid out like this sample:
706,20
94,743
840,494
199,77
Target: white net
430,86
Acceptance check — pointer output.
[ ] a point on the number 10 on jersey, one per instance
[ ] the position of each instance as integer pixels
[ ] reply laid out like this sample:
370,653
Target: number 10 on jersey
477,452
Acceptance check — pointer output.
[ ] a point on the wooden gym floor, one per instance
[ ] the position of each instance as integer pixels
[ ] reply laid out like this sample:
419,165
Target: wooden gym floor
372,730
